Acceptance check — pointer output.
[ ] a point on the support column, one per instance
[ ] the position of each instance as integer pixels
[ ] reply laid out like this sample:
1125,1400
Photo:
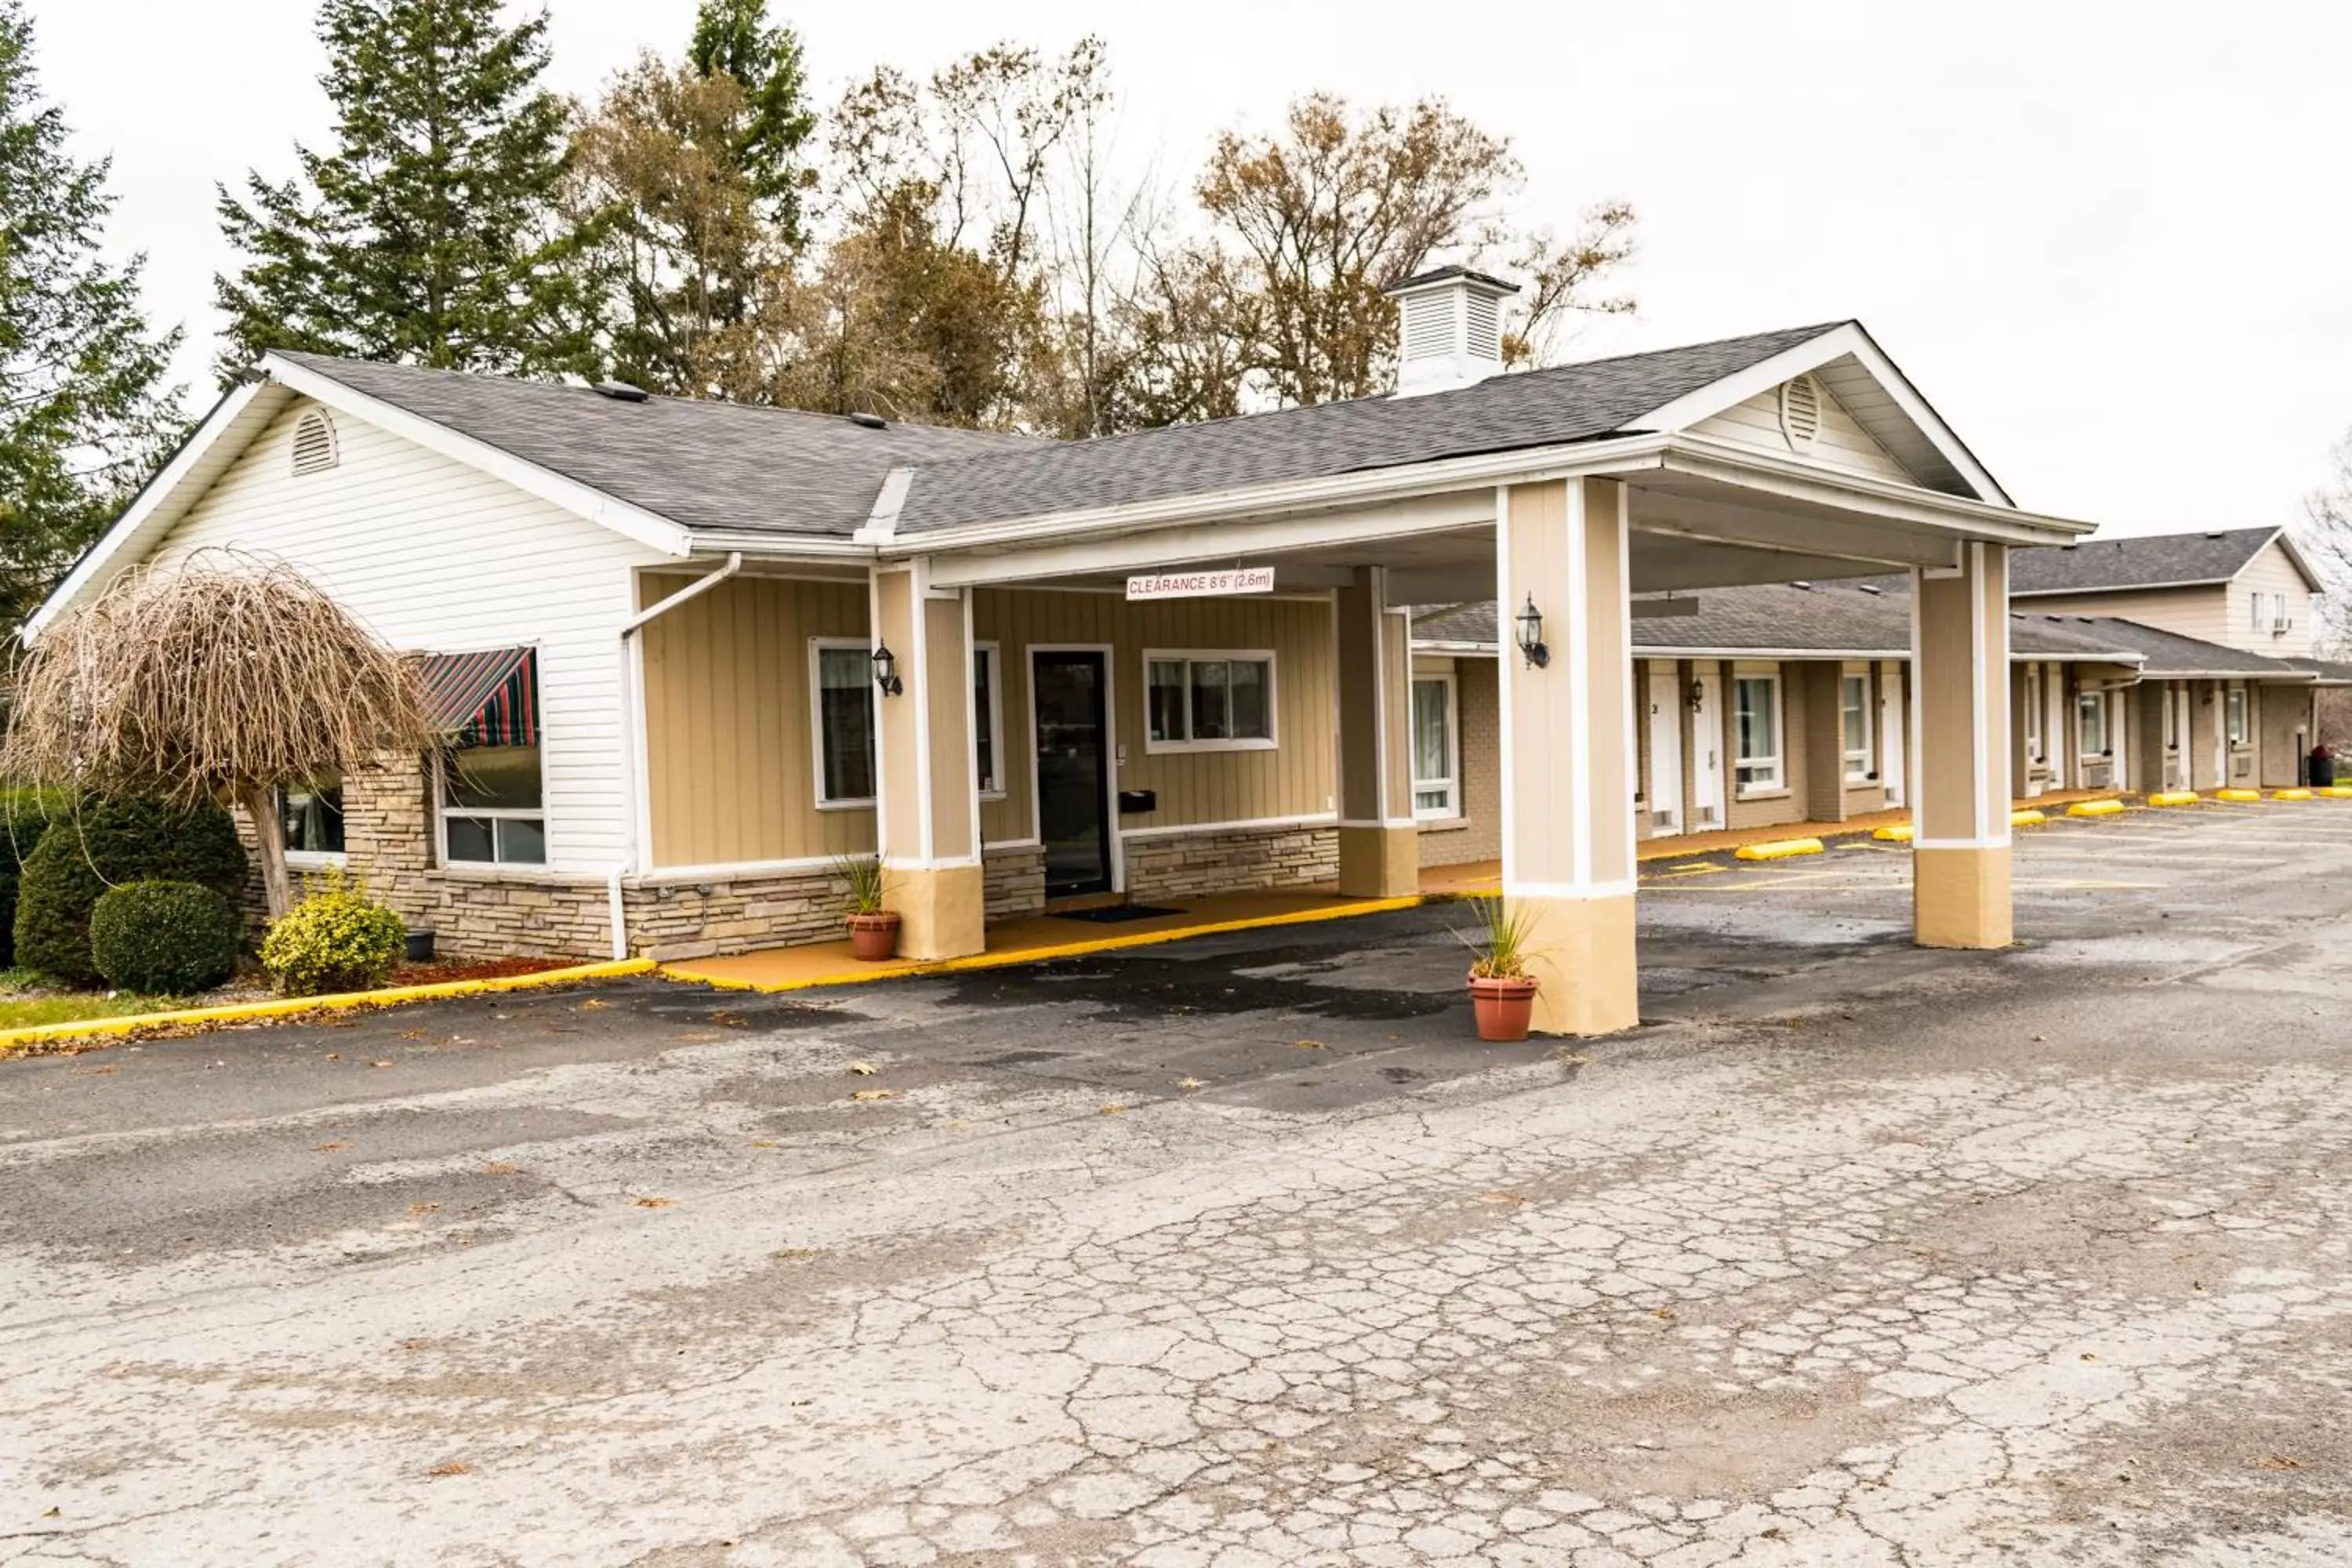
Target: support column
927,813
1379,844
1959,728
1569,748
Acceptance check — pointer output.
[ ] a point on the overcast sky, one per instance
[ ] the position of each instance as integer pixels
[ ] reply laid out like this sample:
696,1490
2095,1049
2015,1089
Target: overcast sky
2110,243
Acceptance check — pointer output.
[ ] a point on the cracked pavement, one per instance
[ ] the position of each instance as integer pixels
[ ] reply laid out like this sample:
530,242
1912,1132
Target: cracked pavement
1241,1251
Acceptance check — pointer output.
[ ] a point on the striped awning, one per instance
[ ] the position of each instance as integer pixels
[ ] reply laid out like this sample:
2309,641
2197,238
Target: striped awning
485,699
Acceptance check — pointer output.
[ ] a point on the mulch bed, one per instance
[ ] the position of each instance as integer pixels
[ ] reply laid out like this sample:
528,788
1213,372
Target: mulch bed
442,971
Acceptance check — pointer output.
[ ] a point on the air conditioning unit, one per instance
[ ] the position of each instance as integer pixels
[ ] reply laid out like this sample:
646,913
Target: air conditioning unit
2281,625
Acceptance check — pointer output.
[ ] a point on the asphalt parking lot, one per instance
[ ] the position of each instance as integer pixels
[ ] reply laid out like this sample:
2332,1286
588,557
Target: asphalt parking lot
1240,1251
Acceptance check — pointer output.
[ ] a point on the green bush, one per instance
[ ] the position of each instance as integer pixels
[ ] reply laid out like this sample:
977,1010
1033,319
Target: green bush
164,938
25,816
338,938
104,844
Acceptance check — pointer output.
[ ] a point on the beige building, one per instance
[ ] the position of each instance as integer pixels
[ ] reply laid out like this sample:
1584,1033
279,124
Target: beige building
689,653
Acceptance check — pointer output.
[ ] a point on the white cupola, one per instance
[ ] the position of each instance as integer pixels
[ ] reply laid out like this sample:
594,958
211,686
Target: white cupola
1449,329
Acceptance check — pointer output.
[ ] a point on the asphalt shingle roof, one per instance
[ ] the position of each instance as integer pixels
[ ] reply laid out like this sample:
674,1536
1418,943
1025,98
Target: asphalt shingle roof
699,464
2154,560
1503,412
2166,655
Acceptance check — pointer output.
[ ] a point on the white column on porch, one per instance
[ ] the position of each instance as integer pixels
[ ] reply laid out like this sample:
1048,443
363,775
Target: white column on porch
927,813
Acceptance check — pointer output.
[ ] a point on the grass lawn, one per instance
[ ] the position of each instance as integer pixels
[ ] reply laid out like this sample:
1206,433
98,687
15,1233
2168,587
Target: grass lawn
19,1011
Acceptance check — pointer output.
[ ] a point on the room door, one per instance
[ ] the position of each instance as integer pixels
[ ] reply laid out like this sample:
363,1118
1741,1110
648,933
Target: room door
1892,765
1665,797
1074,820
1707,755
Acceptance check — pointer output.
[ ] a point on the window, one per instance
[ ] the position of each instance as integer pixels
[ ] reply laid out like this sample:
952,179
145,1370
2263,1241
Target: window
1853,715
311,817
842,673
490,807
2241,732
1756,725
2090,722
987,717
2034,751
1209,701
1436,755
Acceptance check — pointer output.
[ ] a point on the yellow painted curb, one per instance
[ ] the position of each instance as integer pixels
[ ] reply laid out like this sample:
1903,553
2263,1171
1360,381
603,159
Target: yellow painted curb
2030,817
1900,833
2095,808
293,1007
2174,797
1778,850
869,973
2241,795
2290,795
2334,792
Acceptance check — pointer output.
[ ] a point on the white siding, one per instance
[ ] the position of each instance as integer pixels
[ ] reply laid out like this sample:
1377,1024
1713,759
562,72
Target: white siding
2202,613
2270,572
438,556
1842,444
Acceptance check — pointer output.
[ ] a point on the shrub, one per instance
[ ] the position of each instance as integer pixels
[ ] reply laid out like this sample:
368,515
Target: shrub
25,816
337,939
103,843
166,939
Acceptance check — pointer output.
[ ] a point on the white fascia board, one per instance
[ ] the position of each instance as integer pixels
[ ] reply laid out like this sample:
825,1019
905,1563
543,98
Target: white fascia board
1838,342
1464,649
631,521
1794,655
2285,541
189,472
2128,588
1791,479
784,549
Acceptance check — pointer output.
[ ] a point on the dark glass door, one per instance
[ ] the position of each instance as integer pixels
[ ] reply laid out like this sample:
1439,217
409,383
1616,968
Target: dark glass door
1072,777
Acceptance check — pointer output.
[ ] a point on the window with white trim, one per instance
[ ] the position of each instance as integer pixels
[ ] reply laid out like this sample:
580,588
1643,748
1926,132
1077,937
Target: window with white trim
2242,731
2034,751
987,718
310,818
2091,724
1208,701
493,809
1858,732
841,708
1436,748
1756,732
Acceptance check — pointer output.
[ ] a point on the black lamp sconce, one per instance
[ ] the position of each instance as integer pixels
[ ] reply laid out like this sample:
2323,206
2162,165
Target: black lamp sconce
1531,643
1694,697
886,672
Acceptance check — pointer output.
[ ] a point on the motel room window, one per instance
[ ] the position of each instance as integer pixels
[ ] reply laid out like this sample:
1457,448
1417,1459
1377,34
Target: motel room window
312,818
2241,732
492,810
987,717
1755,726
842,672
2091,722
1853,716
1209,701
1436,749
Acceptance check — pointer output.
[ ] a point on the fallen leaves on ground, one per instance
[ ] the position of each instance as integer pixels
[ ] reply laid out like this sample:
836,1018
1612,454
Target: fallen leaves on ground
92,1072
764,1142
1499,1196
792,1253
654,1202
872,1094
380,1062
1190,1083
731,1020
453,1468
423,1208
1312,1045
1114,1111
592,1005
334,1055
863,1070
331,1148
500,1168
412,1034
2280,1462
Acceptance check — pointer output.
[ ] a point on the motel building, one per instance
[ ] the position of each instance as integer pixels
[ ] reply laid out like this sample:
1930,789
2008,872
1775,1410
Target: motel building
690,653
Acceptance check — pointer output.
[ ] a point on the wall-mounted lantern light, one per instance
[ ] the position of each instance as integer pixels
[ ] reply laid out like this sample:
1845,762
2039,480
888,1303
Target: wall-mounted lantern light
886,672
1694,697
1531,641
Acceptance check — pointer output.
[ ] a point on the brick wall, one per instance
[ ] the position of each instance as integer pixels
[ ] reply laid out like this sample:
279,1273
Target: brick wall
1245,859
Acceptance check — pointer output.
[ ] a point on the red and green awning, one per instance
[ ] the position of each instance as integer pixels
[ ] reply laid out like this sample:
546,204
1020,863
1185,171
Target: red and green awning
485,699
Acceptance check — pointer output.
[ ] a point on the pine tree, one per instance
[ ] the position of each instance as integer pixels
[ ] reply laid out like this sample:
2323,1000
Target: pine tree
428,235
85,412
732,37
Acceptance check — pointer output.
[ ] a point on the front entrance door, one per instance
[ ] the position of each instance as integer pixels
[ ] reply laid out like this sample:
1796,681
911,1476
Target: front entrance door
1707,755
1892,767
1665,799
1073,769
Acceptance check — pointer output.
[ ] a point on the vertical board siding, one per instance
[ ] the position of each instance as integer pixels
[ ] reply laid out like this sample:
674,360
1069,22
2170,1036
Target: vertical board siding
1842,443
1294,779
437,556
729,738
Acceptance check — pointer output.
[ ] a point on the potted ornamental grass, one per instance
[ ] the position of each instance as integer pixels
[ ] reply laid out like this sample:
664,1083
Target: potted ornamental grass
1502,992
873,929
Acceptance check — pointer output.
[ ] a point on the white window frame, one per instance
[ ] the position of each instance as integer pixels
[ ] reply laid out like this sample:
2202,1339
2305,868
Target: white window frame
2103,701
2237,716
991,652
1271,741
329,860
817,647
1862,766
1451,783
444,810
1777,760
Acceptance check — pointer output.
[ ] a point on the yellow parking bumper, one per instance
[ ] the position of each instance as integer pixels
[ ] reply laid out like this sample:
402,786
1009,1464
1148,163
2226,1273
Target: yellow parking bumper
2095,808
2290,795
2174,797
1778,850
1900,833
2241,796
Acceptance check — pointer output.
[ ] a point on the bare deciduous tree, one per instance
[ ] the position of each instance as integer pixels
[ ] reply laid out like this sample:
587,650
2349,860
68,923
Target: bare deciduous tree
219,676
2325,537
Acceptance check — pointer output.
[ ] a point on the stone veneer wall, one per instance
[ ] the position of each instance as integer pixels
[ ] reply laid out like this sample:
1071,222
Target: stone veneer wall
1016,882
1246,858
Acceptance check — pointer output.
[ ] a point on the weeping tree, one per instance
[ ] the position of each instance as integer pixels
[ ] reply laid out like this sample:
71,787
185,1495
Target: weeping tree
219,676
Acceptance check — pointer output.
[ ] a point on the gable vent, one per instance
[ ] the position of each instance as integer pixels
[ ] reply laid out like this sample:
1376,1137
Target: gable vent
314,443
1800,410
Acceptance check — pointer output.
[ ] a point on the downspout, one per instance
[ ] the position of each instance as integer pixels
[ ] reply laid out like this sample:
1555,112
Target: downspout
632,698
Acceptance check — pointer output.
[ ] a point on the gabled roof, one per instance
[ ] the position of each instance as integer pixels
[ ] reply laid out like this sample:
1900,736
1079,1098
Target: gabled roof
2151,561
703,465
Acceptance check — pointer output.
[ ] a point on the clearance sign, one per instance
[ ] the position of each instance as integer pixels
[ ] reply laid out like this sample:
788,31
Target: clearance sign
1202,584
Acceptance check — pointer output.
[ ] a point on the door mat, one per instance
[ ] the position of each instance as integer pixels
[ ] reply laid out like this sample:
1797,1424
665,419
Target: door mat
1115,914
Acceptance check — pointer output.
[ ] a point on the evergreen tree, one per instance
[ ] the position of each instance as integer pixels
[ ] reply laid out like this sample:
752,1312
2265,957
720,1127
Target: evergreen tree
426,235
731,37
84,409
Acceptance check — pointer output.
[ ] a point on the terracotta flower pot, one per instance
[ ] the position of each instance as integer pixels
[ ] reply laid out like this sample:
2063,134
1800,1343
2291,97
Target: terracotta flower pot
1503,1007
873,937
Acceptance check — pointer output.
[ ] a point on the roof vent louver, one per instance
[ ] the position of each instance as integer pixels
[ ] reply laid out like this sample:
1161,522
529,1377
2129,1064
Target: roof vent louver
314,443
1449,329
621,392
1800,411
